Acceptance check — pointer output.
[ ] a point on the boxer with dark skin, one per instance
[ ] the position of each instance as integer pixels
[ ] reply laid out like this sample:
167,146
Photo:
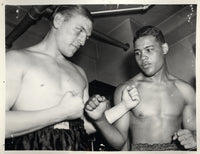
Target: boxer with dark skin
166,112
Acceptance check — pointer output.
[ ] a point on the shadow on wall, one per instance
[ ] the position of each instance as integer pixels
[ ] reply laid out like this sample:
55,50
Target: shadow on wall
131,66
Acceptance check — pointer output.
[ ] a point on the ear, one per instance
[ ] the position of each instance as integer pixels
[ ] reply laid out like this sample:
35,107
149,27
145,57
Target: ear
58,20
165,48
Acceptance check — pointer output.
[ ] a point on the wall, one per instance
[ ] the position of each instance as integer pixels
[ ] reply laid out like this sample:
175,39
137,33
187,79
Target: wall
114,64
181,59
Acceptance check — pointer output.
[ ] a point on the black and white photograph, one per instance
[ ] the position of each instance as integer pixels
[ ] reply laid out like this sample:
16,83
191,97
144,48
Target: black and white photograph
100,77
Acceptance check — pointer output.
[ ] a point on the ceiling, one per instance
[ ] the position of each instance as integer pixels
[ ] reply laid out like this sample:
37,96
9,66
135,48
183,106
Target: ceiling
168,17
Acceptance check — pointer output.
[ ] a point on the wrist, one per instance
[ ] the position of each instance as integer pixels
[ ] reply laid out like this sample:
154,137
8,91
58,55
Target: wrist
101,119
124,106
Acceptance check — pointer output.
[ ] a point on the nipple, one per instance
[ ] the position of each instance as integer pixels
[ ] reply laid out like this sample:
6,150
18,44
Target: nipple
140,115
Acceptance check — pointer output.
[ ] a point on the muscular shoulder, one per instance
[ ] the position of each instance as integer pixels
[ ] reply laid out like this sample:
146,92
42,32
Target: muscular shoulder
186,90
16,62
81,70
122,86
17,57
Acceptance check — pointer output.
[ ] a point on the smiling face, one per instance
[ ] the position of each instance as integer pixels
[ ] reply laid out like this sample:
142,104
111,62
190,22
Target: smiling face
149,54
72,33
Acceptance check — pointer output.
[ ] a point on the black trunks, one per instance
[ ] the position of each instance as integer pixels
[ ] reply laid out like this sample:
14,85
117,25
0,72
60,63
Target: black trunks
69,135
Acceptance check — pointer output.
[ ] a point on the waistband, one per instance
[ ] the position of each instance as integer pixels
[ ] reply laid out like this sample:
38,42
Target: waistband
70,124
155,147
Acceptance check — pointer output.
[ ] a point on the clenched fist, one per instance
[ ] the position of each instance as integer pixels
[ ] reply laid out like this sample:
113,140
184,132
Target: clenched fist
95,106
130,97
186,139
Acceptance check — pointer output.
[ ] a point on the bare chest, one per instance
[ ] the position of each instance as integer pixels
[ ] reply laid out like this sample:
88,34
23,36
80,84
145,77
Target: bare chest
158,101
44,85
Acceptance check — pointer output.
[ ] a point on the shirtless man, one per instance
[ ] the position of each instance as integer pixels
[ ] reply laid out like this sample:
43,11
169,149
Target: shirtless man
165,115
46,93
44,88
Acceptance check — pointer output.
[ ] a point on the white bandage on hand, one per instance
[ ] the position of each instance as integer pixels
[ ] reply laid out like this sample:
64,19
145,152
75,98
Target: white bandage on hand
129,99
116,112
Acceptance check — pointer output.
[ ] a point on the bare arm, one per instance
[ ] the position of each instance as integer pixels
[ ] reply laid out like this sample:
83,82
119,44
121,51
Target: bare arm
123,123
88,125
131,101
187,135
189,113
110,133
22,122
127,98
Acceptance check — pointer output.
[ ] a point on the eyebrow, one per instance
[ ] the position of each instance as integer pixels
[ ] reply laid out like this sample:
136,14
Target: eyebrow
83,28
149,46
136,50
146,47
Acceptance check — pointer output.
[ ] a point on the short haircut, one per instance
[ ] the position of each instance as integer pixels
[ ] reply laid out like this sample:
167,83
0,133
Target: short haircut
69,10
149,31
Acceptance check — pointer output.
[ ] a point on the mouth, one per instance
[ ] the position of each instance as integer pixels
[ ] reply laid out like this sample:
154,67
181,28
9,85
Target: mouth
76,46
146,65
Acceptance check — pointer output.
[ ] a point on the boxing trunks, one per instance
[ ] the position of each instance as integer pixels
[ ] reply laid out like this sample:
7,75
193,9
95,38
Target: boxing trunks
69,135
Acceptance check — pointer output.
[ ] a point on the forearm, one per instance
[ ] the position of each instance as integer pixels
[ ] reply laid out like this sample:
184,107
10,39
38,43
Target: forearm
110,133
116,112
89,127
22,122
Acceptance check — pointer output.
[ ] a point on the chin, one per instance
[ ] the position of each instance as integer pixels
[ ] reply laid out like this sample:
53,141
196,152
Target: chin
69,54
148,73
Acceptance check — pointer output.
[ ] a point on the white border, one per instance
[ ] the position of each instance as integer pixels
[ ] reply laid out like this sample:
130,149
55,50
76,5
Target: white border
43,2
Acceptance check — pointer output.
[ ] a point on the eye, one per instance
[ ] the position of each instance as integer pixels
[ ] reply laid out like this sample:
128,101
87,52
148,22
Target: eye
137,53
79,30
149,49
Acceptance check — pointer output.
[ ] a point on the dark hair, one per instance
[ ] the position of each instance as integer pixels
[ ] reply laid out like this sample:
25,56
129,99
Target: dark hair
149,30
70,10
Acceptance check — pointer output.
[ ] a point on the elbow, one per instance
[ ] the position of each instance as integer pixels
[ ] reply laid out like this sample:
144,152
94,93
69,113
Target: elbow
120,145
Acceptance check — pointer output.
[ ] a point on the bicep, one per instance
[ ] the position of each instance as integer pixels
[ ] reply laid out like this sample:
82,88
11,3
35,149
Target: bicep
86,89
189,112
85,94
189,117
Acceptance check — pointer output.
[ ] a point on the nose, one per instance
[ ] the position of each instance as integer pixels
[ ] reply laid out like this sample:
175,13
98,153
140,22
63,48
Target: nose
82,39
143,56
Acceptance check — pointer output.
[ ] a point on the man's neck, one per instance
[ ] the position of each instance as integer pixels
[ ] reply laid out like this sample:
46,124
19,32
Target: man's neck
48,47
159,77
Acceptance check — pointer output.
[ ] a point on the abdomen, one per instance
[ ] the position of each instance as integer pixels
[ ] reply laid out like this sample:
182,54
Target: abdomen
154,129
